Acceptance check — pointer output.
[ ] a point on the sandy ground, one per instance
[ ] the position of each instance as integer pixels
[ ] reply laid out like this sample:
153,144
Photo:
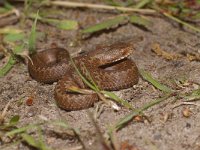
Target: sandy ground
177,132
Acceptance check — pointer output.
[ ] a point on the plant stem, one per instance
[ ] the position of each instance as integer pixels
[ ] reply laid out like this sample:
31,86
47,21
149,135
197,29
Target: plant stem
99,6
181,22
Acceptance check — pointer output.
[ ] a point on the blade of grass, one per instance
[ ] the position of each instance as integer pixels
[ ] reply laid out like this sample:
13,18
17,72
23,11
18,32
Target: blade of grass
105,24
61,24
32,37
41,142
5,69
193,96
3,10
136,19
122,122
145,75
8,6
22,129
80,91
32,141
18,49
14,120
113,138
117,99
181,22
75,130
82,77
91,80
61,123
29,139
142,3
14,37
99,133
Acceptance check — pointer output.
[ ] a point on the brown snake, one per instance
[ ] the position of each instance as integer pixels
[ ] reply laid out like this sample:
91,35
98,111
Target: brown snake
108,66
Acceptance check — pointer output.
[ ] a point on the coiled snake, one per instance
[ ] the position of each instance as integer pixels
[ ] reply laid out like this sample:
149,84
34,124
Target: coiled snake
108,66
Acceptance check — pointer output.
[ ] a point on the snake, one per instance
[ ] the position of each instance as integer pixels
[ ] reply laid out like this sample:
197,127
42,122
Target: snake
107,66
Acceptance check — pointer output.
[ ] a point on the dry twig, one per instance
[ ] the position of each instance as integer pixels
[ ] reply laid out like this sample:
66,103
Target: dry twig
99,6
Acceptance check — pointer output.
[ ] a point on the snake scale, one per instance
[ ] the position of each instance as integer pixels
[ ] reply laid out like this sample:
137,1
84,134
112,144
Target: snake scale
108,66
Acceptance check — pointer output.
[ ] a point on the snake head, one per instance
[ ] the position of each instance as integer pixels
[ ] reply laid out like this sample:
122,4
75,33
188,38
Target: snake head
104,55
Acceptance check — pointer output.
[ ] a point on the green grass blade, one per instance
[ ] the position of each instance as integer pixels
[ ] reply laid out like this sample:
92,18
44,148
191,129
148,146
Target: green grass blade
82,77
136,19
182,22
32,37
41,142
105,24
63,24
3,10
29,140
61,123
8,5
13,37
142,3
14,120
117,99
91,80
18,49
136,112
20,130
60,24
68,25
145,75
5,69
193,96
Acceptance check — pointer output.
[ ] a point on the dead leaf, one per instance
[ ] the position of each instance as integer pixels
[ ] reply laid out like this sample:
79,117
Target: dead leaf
139,118
160,52
193,57
126,146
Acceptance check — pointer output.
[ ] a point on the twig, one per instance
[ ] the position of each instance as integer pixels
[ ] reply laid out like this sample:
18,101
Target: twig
185,103
9,17
114,140
108,102
99,6
13,11
181,22
3,114
98,131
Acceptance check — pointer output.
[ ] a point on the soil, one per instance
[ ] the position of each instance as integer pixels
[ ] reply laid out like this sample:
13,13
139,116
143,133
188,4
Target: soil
166,128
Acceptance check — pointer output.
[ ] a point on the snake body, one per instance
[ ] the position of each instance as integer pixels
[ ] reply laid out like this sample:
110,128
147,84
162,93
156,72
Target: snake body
107,66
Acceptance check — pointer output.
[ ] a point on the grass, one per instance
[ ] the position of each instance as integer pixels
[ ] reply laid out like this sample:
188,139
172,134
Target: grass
14,37
8,66
17,135
32,37
143,6
145,75
125,13
32,134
